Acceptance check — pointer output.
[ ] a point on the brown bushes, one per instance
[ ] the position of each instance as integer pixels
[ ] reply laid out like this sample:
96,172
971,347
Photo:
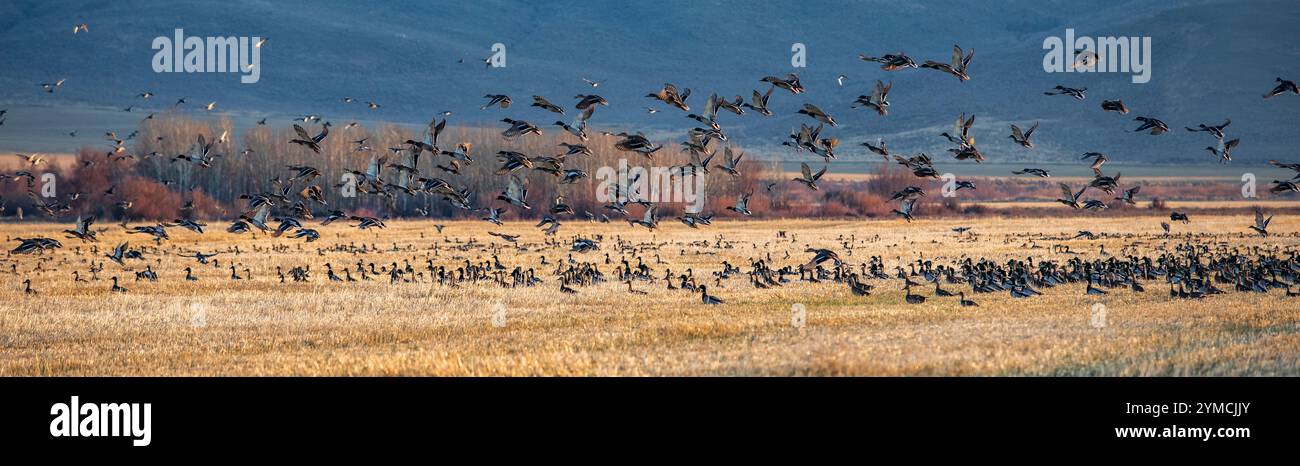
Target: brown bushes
249,161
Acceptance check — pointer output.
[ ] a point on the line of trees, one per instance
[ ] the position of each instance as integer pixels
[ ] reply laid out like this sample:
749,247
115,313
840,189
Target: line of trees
157,184
148,175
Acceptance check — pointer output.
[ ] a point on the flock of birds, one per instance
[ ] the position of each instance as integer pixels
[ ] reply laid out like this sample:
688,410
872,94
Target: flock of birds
1191,270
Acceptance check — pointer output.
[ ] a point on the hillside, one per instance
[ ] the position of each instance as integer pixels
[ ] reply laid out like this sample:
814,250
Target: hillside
1211,60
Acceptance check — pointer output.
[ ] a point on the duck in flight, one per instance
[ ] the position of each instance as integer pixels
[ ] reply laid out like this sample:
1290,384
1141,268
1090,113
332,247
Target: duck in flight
742,204
1283,86
758,102
541,102
1128,195
1116,106
790,83
669,95
878,100
1224,151
879,148
958,65
1077,93
807,177
891,61
730,162
1098,159
1071,198
905,209
54,86
519,127
500,100
1261,223
82,230
1216,131
816,113
1039,172
310,142
516,193
1156,126
1023,138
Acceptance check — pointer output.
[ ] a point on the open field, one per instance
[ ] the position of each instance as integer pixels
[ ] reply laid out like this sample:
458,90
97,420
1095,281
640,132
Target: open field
260,326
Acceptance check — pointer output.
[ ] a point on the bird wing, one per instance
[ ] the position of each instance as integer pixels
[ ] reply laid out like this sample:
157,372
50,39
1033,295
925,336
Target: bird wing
807,172
515,190
324,131
1066,191
435,128
302,133
586,115
711,108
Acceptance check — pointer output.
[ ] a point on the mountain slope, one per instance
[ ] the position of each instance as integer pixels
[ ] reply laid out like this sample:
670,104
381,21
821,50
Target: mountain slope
1211,60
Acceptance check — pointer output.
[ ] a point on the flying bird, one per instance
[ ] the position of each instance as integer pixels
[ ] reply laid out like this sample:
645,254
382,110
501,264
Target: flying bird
1077,93
816,113
878,100
808,178
54,86
1157,127
310,142
958,65
501,100
758,102
1283,86
1114,106
1023,138
1216,131
790,83
891,61
670,96
539,101
1261,223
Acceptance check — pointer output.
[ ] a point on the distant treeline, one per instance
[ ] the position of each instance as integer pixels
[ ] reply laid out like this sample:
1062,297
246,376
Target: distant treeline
157,184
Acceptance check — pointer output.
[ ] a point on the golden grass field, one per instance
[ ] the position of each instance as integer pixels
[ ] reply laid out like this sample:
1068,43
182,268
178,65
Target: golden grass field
218,326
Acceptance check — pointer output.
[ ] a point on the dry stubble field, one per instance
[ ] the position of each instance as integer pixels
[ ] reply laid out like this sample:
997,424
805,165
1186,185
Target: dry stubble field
219,326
